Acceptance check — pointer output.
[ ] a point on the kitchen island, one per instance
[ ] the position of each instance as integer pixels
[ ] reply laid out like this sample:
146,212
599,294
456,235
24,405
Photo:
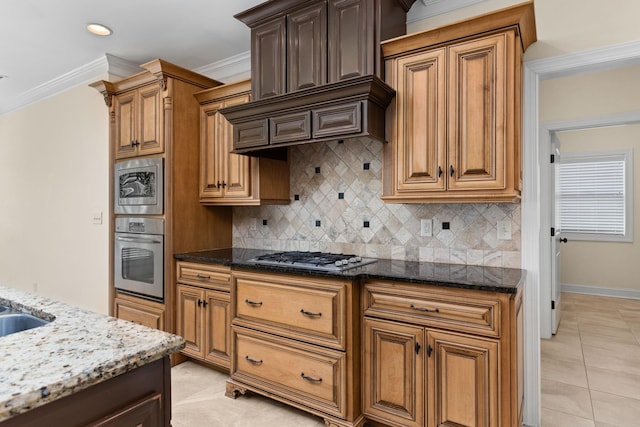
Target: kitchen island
82,368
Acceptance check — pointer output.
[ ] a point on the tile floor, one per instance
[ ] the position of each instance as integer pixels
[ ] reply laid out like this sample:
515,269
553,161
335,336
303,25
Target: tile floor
591,367
590,376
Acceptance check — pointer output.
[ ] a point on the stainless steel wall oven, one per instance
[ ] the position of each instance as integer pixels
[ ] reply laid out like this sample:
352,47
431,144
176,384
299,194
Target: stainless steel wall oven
139,257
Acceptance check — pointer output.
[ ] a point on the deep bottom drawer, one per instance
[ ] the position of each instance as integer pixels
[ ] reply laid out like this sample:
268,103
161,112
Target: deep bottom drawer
310,375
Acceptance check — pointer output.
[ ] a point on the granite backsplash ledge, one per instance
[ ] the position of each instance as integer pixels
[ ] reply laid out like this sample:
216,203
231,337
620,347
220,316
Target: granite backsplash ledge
336,207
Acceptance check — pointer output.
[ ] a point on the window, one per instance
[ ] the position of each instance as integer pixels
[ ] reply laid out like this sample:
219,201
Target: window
596,195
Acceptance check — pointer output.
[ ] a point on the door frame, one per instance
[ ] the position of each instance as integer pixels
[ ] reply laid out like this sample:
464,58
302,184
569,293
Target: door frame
535,244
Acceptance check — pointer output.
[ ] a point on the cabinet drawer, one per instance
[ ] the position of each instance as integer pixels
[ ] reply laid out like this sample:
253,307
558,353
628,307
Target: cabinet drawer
251,134
292,127
296,307
311,375
204,275
453,309
151,315
337,120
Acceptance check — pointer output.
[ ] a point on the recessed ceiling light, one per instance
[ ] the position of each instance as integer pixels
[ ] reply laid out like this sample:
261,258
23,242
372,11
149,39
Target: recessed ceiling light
99,29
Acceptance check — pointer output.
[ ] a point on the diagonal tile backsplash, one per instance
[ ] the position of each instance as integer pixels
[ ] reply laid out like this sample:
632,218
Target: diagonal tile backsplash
336,207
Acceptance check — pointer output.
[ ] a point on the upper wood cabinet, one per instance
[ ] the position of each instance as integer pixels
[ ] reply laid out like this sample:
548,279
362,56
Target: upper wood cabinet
139,122
455,128
232,179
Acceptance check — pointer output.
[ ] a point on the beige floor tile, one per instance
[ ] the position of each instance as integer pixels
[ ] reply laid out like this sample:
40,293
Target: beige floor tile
566,398
612,359
615,410
564,371
587,321
562,347
551,418
613,382
602,337
631,315
605,425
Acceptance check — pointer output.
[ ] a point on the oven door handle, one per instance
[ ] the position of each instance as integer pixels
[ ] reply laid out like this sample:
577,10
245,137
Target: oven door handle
137,240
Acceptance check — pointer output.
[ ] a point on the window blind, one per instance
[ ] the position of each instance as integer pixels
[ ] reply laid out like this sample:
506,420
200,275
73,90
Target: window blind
592,196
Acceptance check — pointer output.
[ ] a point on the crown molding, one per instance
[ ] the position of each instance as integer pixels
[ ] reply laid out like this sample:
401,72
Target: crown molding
96,69
429,8
228,70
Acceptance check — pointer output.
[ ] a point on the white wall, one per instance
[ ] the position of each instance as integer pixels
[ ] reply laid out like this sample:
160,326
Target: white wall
53,178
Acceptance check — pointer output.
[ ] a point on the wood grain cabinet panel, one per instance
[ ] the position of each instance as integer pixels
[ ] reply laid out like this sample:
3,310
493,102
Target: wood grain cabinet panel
290,127
139,122
446,370
203,312
142,312
268,58
232,179
307,47
454,130
350,38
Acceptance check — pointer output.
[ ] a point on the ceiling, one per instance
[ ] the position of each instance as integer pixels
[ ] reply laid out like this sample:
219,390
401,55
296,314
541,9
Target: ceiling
44,40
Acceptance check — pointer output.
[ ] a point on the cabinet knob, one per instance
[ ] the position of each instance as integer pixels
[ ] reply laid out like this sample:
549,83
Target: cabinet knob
135,143
451,170
218,185
439,171
224,184
199,302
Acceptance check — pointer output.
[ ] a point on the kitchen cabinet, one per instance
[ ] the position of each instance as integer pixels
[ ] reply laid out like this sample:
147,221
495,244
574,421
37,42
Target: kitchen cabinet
435,356
139,121
232,179
297,339
138,310
157,108
203,312
455,129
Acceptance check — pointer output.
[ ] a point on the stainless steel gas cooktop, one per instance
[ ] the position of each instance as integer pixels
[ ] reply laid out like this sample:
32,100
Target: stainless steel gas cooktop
313,260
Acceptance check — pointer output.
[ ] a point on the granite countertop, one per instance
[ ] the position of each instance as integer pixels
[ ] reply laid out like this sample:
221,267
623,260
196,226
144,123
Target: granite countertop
497,279
76,350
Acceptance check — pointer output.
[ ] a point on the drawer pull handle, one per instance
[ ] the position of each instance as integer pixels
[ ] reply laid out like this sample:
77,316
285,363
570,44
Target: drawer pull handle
254,361
311,379
310,314
255,304
202,276
426,310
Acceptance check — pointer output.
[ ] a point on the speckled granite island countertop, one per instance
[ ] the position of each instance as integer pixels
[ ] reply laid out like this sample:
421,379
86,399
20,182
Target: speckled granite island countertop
496,279
77,350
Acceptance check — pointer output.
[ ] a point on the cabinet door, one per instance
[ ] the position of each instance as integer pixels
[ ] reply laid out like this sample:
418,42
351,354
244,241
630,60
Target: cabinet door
463,381
141,314
212,135
189,318
150,122
349,37
145,413
268,56
477,120
217,327
394,377
125,124
237,168
420,148
307,47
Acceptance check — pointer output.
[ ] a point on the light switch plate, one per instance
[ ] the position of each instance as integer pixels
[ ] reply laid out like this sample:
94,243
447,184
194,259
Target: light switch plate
426,227
97,218
504,229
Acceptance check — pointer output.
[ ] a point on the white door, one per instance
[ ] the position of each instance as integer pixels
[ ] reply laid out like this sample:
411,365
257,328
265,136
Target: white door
556,235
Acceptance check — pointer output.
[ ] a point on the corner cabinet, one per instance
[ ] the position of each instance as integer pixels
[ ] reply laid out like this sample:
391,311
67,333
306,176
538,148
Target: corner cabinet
454,128
203,312
438,356
233,179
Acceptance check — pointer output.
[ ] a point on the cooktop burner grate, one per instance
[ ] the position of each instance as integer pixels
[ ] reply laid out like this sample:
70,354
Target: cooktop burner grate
313,260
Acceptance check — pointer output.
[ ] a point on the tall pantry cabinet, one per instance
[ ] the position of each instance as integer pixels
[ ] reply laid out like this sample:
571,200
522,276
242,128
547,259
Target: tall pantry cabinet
155,113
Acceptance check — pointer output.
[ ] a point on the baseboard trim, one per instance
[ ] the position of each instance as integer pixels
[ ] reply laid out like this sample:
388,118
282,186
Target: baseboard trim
600,291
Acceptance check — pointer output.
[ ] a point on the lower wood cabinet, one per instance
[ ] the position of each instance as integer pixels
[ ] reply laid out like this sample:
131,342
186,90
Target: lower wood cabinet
416,373
141,311
297,339
203,312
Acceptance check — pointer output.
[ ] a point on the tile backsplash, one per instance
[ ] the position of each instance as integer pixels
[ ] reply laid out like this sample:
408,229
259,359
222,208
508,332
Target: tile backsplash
336,207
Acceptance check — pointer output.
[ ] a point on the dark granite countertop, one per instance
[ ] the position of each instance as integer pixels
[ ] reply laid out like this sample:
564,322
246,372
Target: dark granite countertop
497,279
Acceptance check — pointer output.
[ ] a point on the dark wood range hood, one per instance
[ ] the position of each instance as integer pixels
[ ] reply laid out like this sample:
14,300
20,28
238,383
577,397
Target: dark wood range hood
316,73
